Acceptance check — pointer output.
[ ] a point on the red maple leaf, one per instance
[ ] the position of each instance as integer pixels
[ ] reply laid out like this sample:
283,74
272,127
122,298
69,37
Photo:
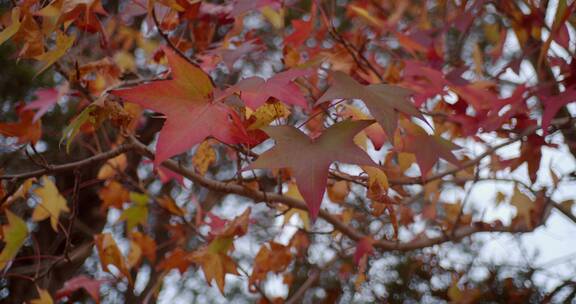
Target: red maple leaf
552,104
191,112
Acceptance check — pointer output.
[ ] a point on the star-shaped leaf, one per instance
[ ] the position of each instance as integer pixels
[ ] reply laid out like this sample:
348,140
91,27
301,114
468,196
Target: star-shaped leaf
310,158
214,258
26,129
428,149
51,204
382,100
254,91
191,113
215,261
137,213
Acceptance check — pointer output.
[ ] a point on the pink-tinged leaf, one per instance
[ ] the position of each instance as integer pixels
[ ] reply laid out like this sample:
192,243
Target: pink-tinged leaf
191,113
216,223
310,158
230,56
428,82
45,99
382,100
166,175
552,104
244,6
428,149
254,91
91,286
194,124
364,247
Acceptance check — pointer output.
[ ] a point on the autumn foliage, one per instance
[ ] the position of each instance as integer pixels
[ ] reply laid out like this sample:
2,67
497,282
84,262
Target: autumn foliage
279,151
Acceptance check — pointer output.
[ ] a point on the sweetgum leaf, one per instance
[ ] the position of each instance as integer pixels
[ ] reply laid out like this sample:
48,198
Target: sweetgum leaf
15,233
310,159
26,129
382,100
254,91
52,204
428,149
63,44
191,113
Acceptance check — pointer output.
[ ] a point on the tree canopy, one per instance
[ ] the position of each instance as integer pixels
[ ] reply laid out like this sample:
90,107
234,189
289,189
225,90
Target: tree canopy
283,151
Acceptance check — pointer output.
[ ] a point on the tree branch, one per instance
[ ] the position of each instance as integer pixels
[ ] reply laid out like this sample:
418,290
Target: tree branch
53,169
349,231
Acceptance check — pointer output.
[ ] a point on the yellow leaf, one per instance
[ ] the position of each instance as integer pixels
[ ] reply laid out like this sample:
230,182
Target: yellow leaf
13,28
276,18
405,160
15,234
51,204
125,61
110,254
63,43
204,157
303,214
113,166
454,292
377,182
267,113
44,298
21,192
361,140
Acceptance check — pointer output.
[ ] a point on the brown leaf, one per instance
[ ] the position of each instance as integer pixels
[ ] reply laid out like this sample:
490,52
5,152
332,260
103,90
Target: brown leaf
272,258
